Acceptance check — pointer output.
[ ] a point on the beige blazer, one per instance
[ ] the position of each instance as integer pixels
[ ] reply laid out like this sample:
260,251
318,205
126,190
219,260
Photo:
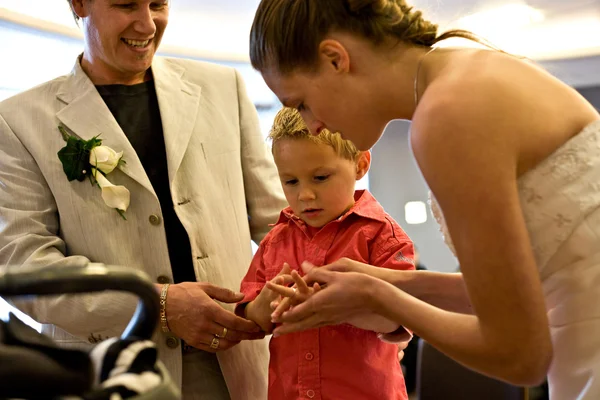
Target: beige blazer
223,183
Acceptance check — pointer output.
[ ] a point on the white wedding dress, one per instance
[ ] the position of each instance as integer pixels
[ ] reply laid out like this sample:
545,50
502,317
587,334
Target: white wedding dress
561,203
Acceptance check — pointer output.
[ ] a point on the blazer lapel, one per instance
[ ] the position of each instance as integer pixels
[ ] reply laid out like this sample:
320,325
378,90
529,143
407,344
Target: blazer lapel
178,100
86,115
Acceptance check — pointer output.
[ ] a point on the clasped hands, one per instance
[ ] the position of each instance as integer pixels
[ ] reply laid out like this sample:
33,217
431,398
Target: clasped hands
328,295
283,298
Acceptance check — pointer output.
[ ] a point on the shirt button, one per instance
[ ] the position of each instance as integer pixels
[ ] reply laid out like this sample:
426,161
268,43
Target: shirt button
310,393
163,279
154,219
309,356
172,342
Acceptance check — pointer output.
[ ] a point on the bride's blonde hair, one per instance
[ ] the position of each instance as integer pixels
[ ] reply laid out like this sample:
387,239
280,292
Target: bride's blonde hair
287,33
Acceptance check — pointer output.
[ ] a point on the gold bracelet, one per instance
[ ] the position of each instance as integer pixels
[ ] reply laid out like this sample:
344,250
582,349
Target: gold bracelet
163,308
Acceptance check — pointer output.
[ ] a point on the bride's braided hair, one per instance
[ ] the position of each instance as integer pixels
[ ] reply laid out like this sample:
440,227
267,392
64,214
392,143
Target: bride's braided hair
286,33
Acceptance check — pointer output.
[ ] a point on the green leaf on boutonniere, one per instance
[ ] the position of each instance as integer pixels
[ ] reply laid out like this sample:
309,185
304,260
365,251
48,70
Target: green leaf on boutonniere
75,156
64,133
88,158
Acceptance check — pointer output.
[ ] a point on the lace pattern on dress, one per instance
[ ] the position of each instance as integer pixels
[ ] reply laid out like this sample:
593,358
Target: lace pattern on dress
556,196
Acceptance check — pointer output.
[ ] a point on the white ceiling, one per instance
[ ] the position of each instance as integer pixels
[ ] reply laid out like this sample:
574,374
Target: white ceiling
568,29
242,7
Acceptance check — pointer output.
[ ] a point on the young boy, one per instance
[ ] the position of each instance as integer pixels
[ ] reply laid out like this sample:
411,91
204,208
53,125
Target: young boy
326,220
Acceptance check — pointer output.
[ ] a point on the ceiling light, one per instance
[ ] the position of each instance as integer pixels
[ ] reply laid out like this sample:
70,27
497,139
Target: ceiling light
508,16
415,212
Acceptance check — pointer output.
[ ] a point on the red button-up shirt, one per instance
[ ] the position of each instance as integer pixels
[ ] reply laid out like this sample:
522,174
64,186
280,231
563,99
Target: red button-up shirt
335,362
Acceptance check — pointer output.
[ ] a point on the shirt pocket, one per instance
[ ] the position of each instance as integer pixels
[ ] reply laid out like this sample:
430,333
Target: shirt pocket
278,252
272,270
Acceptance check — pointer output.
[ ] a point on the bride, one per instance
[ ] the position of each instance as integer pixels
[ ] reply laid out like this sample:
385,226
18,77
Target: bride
512,156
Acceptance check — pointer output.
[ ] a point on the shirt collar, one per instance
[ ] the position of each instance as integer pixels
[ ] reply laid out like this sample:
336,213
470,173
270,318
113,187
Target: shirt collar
364,206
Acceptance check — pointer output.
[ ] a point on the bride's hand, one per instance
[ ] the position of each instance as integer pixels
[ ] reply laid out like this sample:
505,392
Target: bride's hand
290,296
348,265
368,321
346,296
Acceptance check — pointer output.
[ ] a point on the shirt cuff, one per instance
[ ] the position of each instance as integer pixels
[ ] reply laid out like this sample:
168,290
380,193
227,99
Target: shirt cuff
251,292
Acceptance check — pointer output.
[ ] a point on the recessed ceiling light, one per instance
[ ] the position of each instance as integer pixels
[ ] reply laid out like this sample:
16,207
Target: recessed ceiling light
415,212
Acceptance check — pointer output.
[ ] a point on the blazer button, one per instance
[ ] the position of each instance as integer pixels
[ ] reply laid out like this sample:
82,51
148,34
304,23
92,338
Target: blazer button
154,219
163,279
172,342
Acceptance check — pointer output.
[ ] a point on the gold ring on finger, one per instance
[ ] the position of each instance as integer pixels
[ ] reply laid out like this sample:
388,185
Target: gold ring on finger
222,335
215,343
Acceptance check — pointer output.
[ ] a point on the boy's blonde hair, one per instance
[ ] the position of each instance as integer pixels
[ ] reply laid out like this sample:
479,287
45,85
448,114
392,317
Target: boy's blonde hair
288,124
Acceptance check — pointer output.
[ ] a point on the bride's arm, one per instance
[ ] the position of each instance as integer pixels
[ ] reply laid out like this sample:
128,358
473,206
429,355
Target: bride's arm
443,290
440,289
470,148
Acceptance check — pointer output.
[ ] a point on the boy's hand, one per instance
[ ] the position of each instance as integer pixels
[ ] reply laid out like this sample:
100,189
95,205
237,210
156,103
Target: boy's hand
283,278
289,297
259,309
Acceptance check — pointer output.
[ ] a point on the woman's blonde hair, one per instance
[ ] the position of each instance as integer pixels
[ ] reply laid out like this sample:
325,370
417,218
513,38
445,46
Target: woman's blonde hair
287,33
288,124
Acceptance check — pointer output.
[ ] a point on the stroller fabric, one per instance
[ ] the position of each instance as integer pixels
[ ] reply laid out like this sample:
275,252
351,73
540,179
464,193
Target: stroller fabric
32,366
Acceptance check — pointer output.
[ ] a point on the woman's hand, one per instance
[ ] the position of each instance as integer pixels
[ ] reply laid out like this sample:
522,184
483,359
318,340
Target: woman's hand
440,289
346,296
348,265
290,296
301,292
401,347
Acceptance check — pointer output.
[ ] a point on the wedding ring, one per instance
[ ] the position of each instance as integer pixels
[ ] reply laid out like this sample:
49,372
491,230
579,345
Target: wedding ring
222,335
215,343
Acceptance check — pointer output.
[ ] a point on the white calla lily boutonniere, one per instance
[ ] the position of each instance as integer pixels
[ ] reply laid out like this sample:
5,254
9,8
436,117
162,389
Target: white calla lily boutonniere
90,159
105,159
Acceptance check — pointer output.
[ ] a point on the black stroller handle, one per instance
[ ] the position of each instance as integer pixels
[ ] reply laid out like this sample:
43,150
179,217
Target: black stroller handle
92,277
